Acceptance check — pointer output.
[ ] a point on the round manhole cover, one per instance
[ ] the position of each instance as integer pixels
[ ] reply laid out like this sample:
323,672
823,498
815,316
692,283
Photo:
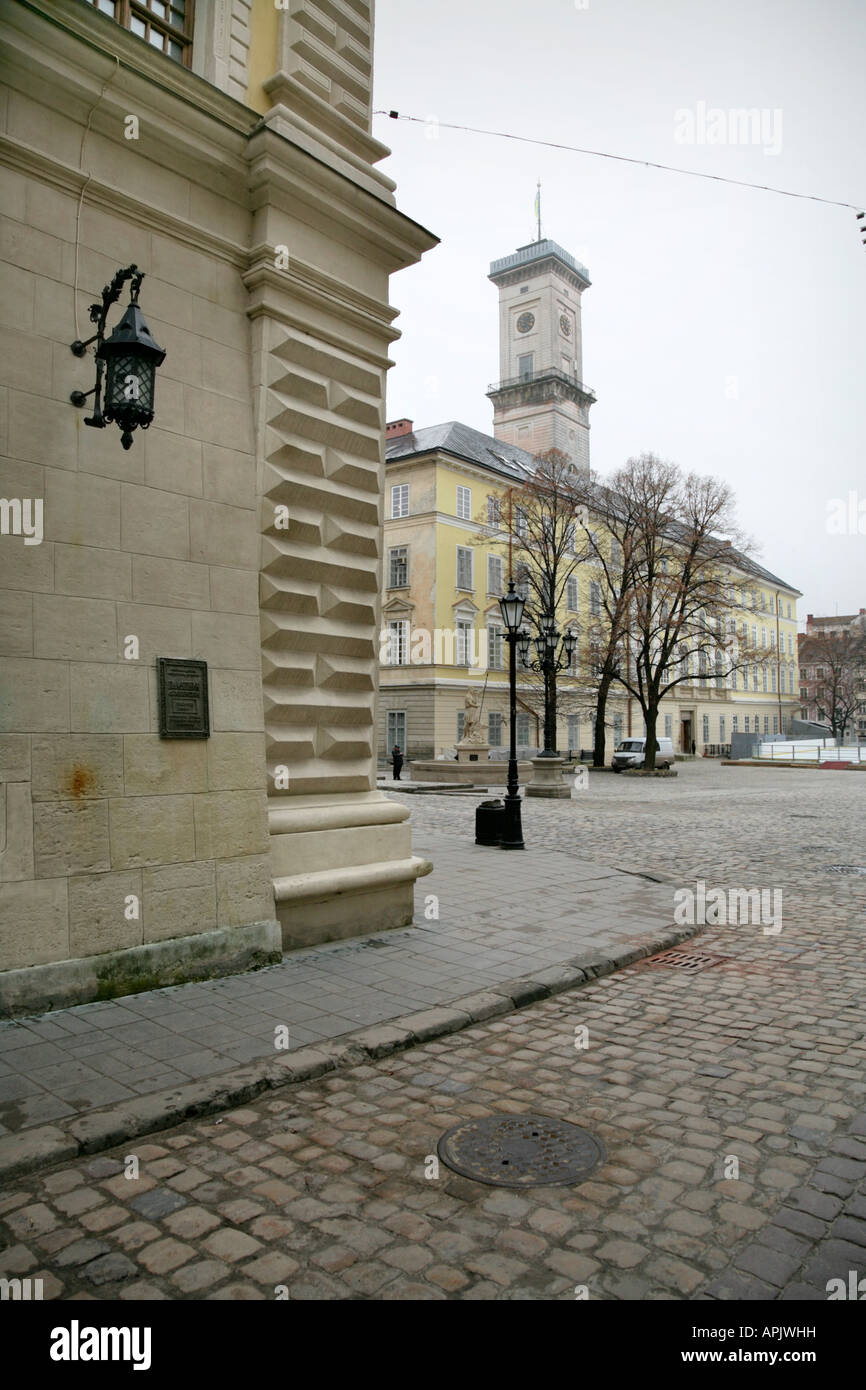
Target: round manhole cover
520,1151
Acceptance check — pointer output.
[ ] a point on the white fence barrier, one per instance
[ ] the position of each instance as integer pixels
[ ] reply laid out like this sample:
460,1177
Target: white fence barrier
813,750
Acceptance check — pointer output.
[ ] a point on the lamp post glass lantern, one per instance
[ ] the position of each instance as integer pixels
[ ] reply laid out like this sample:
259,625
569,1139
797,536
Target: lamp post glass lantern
512,606
548,661
126,362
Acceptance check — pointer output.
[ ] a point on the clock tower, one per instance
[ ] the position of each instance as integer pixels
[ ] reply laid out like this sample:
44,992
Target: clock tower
541,403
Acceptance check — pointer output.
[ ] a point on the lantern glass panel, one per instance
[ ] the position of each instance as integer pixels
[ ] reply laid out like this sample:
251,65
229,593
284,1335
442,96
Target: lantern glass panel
130,386
512,605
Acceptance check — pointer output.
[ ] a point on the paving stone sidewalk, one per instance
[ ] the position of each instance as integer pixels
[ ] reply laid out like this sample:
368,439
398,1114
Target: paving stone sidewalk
500,917
324,1190
327,1191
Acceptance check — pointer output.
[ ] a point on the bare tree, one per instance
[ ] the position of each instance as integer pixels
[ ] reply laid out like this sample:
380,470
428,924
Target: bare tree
841,658
537,527
610,555
680,547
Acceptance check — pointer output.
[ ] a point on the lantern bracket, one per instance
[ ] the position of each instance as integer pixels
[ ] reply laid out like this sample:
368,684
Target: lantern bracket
98,313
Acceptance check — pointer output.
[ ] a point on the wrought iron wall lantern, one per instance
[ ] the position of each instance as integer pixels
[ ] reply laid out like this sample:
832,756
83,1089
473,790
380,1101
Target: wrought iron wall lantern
126,362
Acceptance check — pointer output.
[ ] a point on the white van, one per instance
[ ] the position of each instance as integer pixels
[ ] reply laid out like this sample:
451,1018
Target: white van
632,751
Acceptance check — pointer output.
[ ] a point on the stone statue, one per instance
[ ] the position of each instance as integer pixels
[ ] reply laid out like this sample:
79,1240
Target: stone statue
471,719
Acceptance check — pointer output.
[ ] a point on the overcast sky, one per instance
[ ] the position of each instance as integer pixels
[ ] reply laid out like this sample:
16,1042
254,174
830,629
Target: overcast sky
724,327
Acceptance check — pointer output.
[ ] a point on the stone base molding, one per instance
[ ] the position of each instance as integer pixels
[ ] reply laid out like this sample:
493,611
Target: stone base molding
357,870
547,778
481,774
203,956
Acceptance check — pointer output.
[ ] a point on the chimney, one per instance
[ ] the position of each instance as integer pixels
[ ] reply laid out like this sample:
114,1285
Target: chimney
396,428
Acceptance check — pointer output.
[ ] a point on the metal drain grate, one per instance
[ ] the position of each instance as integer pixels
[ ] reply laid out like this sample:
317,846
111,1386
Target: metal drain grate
687,960
520,1151
846,869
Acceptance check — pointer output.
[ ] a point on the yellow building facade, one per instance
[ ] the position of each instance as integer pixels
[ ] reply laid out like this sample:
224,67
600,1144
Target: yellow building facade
442,628
444,571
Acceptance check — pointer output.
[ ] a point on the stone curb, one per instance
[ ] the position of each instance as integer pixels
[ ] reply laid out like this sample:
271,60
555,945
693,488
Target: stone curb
47,1145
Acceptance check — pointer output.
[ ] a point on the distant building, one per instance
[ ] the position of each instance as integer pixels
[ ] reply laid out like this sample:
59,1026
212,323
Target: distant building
440,579
848,622
817,660
540,403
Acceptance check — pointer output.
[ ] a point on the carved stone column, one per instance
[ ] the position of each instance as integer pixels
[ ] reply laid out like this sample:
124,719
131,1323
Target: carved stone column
327,237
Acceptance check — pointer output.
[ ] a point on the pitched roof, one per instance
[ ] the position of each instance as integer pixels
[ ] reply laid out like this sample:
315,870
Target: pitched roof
464,443
750,566
835,622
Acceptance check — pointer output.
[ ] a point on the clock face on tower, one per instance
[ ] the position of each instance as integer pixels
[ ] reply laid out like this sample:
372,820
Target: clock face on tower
565,325
525,322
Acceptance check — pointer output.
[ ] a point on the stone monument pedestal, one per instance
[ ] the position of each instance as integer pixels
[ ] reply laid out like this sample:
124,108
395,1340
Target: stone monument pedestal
547,778
472,752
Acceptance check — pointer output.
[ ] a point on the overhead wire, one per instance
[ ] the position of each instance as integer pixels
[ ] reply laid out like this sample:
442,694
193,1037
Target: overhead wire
627,159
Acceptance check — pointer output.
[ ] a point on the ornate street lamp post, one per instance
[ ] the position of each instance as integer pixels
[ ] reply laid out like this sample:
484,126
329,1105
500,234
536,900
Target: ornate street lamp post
548,661
126,362
512,606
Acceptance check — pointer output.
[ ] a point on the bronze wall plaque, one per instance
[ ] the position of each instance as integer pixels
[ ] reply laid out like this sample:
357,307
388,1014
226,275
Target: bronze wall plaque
183,703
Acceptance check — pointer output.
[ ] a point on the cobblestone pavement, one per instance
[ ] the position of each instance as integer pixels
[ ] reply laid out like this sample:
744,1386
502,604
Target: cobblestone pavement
739,825
781,826
730,1098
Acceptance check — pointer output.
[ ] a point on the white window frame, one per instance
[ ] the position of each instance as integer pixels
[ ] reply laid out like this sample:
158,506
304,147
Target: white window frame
464,550
464,502
392,552
495,647
495,567
495,721
392,719
463,643
399,500
398,642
